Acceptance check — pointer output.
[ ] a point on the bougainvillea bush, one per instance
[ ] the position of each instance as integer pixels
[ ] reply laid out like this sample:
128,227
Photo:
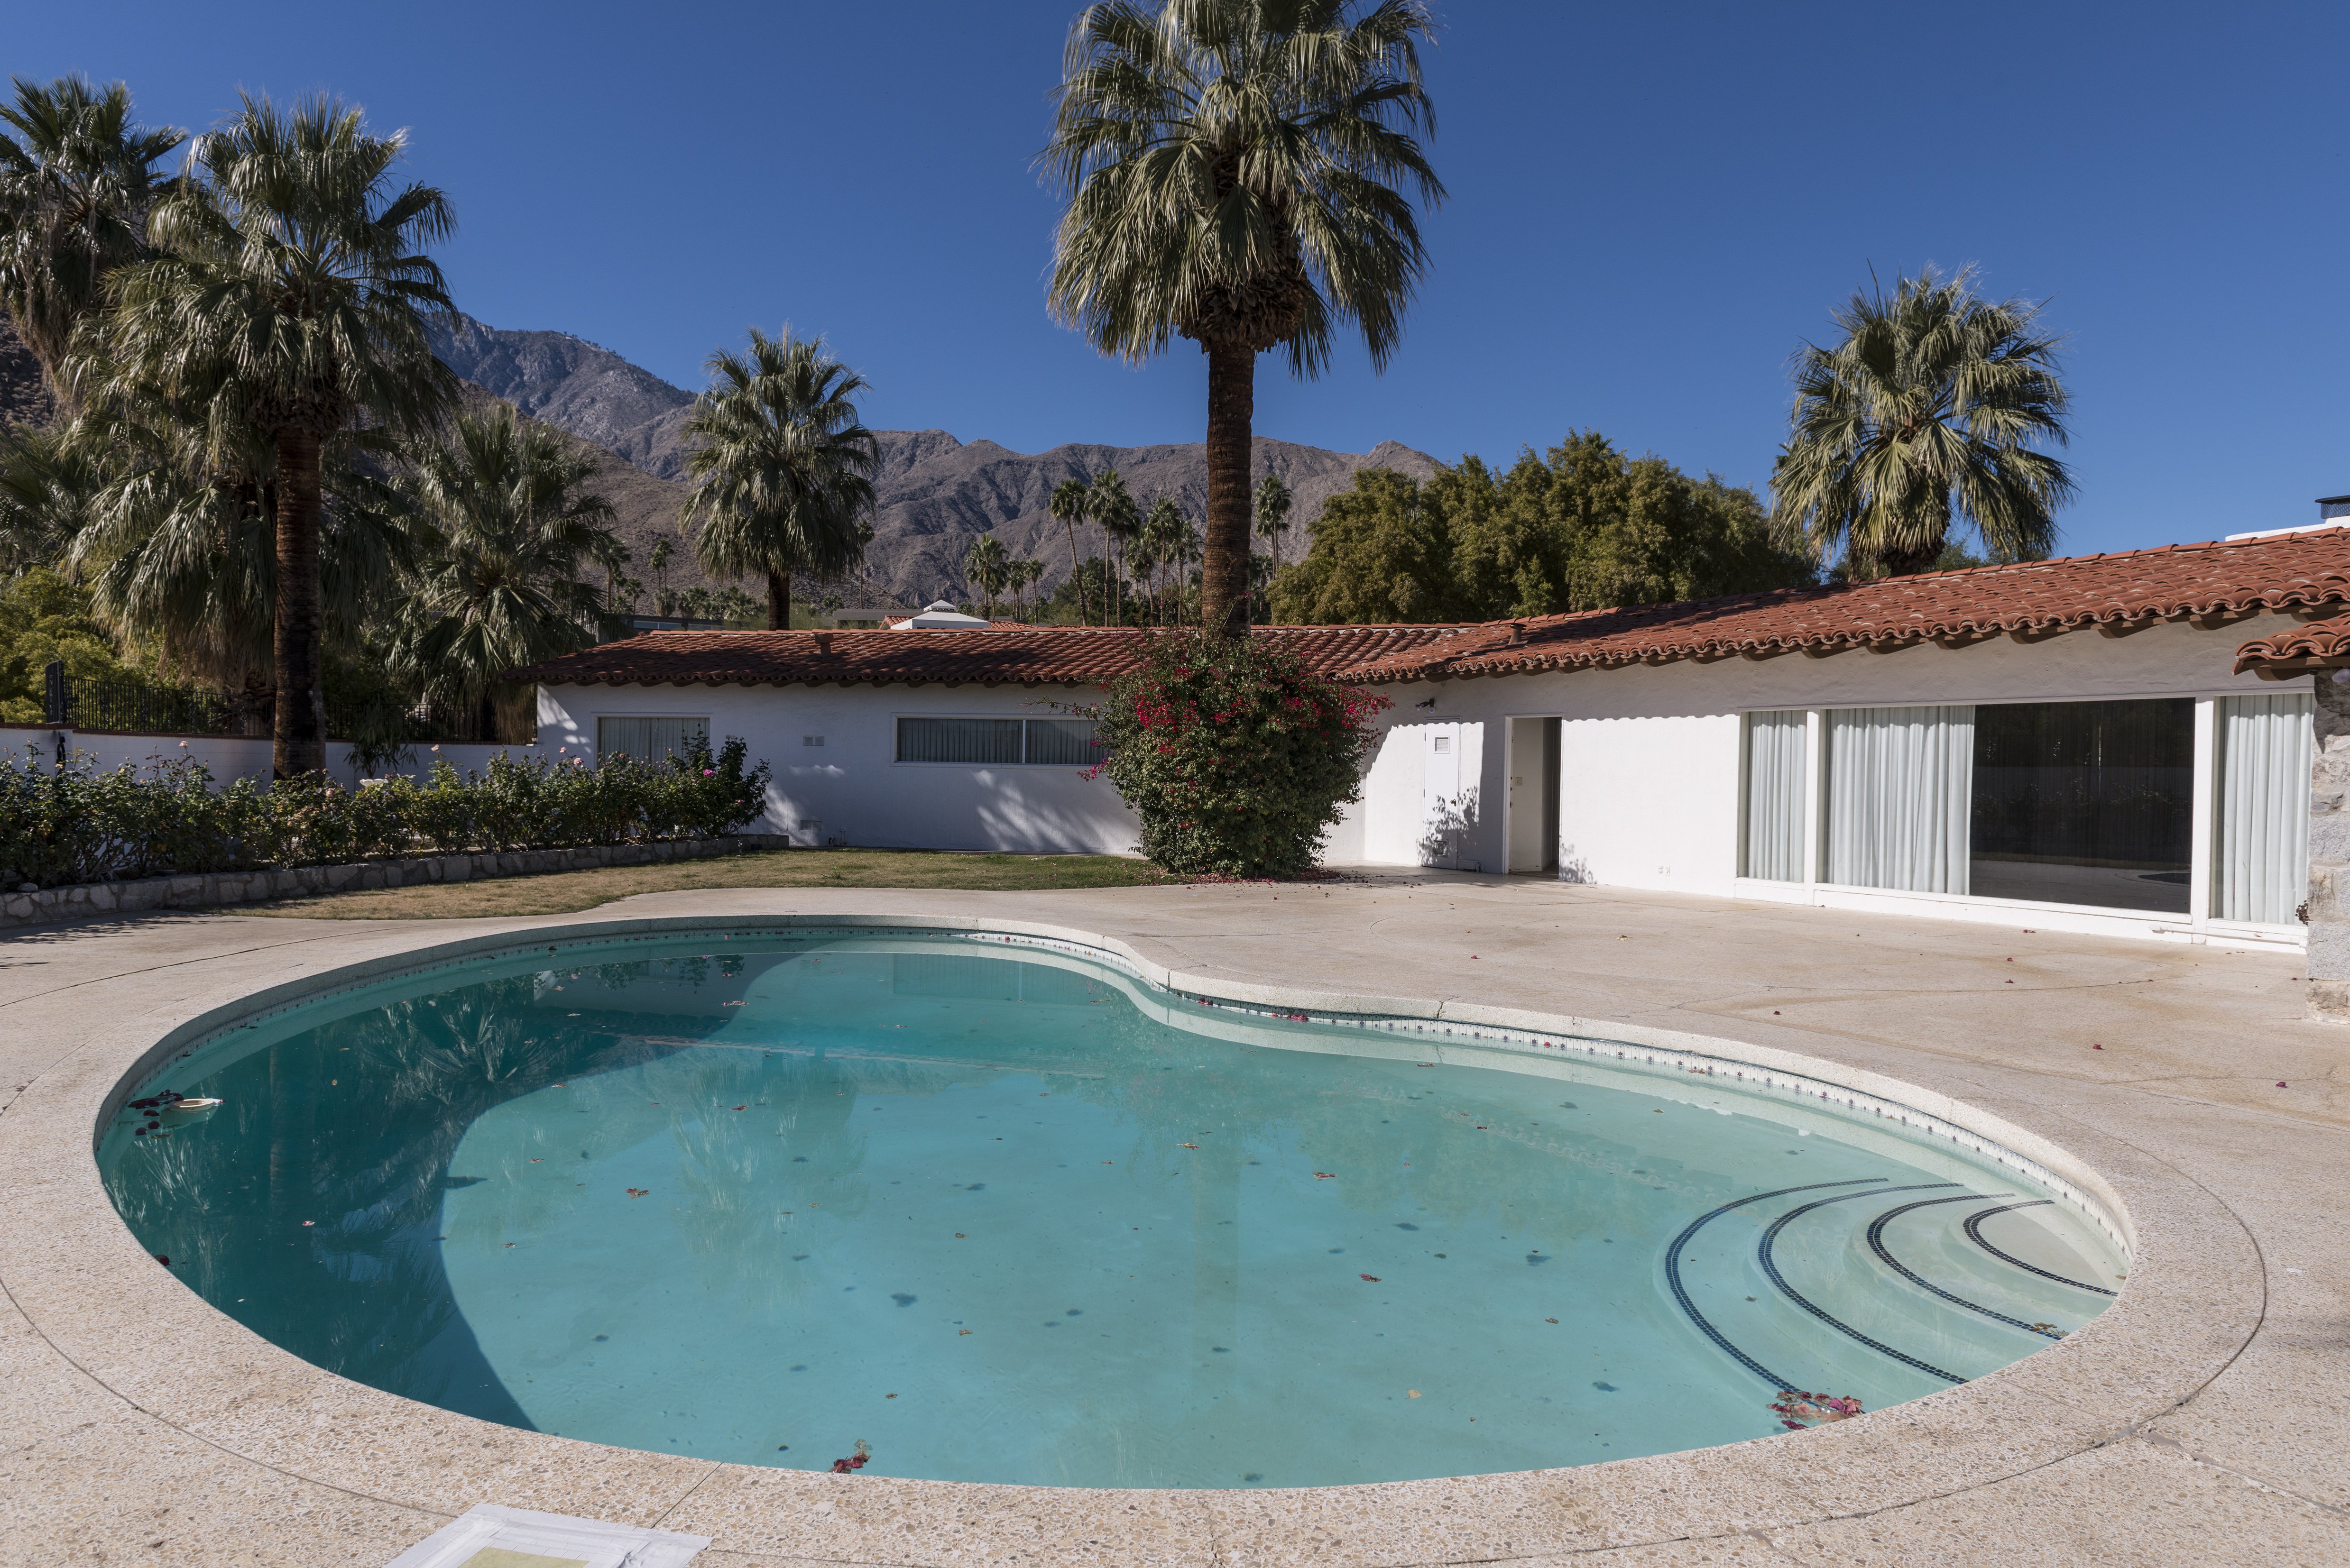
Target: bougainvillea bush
1236,756
75,824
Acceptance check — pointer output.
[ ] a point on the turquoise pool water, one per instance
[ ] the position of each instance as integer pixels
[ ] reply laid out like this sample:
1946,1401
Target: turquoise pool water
1004,1214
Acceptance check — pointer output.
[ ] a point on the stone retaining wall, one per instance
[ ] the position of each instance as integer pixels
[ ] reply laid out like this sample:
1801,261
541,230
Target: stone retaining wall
215,888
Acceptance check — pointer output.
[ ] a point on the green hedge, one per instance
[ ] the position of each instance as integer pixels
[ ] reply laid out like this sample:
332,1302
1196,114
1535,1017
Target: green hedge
70,824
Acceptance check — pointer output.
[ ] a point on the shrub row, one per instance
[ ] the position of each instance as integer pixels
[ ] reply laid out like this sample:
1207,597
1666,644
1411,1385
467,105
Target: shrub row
73,824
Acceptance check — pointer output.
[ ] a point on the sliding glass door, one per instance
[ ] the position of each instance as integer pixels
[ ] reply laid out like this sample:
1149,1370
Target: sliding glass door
2084,803
2089,803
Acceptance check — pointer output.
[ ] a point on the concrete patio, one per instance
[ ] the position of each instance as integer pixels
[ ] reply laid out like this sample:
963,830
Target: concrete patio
2199,1421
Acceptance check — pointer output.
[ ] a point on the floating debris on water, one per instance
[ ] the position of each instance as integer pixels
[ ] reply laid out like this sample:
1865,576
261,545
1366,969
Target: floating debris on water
1798,1410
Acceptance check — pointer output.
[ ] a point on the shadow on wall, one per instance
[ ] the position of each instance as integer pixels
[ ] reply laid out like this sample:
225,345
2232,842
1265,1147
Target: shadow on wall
1450,820
1010,819
1572,868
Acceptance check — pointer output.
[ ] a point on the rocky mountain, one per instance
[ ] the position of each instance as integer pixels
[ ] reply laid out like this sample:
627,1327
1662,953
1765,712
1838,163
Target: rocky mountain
935,494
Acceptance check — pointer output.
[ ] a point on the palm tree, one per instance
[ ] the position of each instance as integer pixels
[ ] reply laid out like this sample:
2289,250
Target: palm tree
1273,503
76,183
1164,532
988,567
1112,505
1926,412
1070,499
782,466
288,301
510,525
1231,170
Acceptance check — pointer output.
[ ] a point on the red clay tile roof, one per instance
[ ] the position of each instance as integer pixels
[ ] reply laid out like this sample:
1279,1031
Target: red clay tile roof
2209,585
1047,656
2206,585
2323,645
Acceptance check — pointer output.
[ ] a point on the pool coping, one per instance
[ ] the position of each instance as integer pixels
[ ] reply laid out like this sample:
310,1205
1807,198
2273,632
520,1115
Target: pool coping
2193,1299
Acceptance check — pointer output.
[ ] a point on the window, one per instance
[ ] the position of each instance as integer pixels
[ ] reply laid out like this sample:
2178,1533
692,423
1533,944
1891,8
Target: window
1897,786
649,740
1774,798
997,742
1062,741
2262,873
2084,803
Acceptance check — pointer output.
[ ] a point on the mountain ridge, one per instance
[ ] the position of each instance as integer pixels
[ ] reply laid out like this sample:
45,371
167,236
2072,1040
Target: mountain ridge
934,493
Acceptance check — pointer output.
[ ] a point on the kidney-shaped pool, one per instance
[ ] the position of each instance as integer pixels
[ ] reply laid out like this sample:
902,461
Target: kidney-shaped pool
992,1209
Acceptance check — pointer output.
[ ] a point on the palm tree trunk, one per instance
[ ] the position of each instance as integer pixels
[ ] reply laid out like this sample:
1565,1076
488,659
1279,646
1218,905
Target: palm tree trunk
1077,574
779,601
298,742
1232,410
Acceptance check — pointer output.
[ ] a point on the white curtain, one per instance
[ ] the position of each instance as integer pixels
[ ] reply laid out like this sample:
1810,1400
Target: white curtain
1900,784
649,740
1774,796
2263,831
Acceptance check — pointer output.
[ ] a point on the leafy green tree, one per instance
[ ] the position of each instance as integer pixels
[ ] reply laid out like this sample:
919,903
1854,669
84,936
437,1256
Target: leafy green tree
45,618
1113,506
1583,528
988,567
1070,503
1929,411
1382,554
77,179
511,524
1273,501
782,466
290,294
1233,170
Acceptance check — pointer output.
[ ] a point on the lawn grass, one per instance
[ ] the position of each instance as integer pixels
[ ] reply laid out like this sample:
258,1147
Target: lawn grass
566,892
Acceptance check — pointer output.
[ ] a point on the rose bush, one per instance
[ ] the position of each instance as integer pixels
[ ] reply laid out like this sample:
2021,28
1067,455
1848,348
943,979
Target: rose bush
60,826
1236,756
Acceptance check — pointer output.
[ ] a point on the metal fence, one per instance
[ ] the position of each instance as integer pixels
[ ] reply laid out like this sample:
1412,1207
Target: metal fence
138,708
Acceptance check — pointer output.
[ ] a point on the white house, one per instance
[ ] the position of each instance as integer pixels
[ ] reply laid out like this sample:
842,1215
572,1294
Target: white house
2089,743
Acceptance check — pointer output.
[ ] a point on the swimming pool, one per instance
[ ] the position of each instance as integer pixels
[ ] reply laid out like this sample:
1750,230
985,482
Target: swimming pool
998,1212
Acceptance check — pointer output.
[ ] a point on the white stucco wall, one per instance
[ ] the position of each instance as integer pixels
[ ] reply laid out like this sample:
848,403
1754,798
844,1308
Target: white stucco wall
1648,763
1649,754
850,789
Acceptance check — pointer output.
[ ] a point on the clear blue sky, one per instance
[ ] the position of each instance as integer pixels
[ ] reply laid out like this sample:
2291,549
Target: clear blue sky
1651,206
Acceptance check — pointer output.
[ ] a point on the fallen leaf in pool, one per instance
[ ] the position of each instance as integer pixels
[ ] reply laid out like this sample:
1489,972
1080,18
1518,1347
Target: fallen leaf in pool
961,1331
1190,1145
1325,1176
1411,1393
1373,1278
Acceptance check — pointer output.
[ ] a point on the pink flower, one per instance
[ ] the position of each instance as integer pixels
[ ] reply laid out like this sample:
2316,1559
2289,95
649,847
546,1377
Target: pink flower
710,772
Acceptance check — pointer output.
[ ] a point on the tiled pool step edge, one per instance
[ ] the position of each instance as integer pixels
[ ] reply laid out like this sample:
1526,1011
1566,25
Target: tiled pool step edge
212,888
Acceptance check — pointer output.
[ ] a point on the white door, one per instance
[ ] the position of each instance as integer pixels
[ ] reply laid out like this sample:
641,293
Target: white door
1439,795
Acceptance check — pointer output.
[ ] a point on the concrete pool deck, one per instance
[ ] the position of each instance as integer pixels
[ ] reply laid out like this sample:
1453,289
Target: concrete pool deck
2200,1420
